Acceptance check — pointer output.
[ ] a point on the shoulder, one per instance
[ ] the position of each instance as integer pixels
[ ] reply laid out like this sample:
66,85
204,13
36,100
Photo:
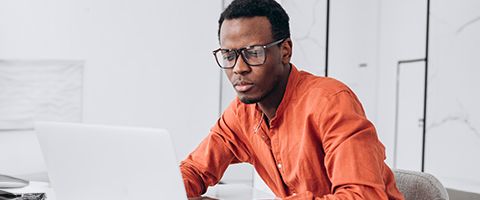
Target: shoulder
318,94
310,85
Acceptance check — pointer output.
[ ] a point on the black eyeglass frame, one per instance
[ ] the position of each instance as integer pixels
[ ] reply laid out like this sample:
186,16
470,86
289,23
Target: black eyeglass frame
238,52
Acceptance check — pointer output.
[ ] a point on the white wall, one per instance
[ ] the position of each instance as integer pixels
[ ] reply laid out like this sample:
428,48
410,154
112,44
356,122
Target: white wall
453,112
147,63
402,34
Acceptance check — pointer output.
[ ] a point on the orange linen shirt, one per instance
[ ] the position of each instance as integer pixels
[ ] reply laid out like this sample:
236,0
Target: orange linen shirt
319,145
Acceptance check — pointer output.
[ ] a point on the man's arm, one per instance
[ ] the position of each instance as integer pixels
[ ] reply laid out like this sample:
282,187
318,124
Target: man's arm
206,164
354,156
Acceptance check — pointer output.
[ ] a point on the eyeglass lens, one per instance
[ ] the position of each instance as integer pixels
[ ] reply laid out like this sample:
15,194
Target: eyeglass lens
254,55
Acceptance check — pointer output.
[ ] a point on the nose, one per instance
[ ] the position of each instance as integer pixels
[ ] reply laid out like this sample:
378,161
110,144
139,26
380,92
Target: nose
241,67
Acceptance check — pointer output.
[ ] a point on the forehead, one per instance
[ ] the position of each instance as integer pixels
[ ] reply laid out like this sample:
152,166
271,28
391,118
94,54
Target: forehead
241,32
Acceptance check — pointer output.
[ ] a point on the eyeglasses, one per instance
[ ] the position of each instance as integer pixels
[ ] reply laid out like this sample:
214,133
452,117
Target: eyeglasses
252,55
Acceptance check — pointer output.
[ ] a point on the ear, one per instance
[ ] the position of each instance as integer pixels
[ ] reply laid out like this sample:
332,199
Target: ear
286,50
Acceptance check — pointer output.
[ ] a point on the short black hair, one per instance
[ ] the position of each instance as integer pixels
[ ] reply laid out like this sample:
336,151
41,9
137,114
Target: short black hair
259,8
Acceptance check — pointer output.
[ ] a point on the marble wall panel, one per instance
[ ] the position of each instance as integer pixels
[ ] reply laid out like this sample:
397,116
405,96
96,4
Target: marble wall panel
453,111
308,33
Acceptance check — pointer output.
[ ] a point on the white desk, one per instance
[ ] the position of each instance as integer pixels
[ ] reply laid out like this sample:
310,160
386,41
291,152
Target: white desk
236,192
226,192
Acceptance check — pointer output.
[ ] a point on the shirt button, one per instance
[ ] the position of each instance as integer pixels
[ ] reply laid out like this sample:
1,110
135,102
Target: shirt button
279,165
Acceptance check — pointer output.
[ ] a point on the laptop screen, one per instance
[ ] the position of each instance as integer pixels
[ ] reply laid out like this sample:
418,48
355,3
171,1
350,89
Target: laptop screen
87,161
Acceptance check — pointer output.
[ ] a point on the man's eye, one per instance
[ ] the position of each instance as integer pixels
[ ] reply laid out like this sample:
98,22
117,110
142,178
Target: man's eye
229,56
254,53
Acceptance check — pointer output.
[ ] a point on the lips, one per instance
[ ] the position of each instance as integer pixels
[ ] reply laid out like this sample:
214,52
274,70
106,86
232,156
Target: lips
243,86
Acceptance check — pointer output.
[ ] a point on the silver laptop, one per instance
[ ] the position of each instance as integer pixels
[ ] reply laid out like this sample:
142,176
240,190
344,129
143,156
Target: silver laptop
90,162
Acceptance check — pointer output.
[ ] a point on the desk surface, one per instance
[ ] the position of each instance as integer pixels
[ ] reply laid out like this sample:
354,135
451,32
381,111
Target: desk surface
226,192
236,191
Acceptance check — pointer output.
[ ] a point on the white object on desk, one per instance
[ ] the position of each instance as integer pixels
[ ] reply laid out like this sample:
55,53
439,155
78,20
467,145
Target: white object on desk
97,162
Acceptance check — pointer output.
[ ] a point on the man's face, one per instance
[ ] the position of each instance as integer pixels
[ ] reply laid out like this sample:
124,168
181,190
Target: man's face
252,83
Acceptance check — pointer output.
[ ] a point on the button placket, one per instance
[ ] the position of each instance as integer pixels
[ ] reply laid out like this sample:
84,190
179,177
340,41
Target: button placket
276,152
278,160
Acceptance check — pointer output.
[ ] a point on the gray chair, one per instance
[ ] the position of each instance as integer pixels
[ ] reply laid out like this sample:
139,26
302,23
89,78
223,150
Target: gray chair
419,186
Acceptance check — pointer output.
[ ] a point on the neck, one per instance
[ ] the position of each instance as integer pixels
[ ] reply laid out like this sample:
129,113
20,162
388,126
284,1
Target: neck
270,104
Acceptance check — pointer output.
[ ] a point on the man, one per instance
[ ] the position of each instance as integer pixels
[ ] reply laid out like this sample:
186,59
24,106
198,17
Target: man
306,136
